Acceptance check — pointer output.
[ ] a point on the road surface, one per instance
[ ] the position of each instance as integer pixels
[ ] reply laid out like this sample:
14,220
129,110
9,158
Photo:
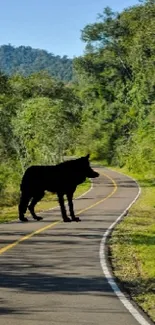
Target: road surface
50,271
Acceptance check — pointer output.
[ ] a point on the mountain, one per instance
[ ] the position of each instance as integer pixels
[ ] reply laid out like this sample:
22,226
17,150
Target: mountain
26,60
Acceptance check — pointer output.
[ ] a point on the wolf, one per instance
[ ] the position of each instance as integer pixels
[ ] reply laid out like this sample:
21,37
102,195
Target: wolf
61,179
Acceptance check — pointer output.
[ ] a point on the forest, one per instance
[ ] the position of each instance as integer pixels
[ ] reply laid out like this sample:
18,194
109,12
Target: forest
108,109
102,103
25,60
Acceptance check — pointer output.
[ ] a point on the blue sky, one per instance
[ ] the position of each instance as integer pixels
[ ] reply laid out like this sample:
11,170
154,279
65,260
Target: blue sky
53,25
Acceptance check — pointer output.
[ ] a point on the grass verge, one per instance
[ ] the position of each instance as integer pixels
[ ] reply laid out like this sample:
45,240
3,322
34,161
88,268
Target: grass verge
132,247
49,201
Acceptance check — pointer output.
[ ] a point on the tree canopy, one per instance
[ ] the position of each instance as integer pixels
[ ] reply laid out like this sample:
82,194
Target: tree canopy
116,83
108,110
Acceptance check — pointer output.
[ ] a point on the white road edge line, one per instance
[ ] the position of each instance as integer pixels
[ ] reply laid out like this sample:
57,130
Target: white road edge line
109,276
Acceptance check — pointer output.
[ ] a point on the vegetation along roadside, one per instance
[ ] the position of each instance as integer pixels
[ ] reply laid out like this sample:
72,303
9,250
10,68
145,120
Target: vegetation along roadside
132,247
49,201
104,104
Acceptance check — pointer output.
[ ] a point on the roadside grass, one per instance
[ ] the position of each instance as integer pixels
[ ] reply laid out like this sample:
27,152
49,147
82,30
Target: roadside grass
132,247
9,213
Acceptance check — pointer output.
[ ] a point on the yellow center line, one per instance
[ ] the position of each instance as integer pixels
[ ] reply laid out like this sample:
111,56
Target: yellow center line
6,248
51,225
105,198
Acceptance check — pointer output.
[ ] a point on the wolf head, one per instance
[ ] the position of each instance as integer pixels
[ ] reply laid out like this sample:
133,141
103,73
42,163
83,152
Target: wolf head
85,165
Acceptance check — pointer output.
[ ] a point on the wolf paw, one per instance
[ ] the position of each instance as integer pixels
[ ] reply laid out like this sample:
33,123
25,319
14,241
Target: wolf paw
67,219
77,219
23,219
37,218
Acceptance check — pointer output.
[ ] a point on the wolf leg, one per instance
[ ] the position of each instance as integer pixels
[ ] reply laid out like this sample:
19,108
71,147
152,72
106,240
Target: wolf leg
36,198
63,210
71,207
23,204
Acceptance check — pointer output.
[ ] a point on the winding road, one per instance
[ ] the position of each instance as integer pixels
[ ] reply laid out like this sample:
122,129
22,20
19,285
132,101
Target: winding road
57,273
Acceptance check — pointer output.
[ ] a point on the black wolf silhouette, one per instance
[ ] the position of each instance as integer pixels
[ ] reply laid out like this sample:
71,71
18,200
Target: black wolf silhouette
61,179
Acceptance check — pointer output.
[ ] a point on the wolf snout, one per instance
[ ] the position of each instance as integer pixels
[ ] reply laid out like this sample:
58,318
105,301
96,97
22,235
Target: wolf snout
94,174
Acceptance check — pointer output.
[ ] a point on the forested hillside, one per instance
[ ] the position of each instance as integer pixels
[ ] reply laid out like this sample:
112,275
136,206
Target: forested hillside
26,60
116,84
109,109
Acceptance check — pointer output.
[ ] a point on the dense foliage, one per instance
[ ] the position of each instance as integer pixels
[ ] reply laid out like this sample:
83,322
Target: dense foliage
109,109
116,83
26,60
39,122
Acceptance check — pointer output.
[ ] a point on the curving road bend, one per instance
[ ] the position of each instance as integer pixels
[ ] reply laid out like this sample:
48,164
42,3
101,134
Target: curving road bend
50,272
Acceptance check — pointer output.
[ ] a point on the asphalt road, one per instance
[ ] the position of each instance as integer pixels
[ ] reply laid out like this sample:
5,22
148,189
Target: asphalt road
50,271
